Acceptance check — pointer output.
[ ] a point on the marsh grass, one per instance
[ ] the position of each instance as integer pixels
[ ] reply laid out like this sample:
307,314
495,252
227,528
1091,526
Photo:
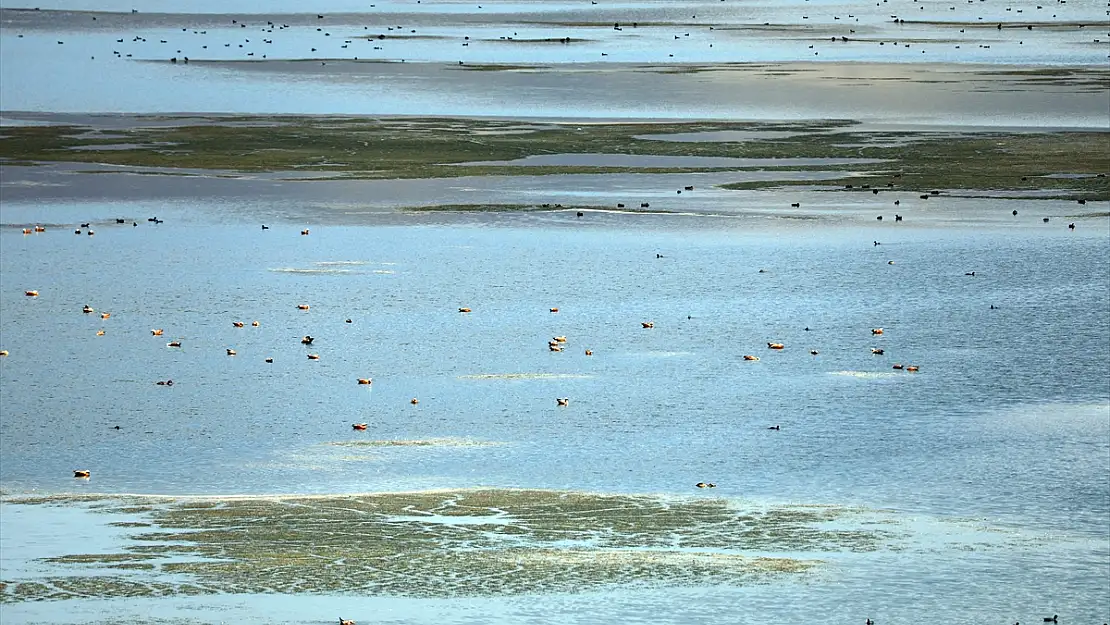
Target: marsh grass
432,148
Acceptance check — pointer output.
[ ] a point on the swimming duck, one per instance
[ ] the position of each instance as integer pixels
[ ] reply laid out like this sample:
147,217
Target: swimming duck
559,339
173,344
270,360
87,309
302,306
237,324
751,358
878,351
648,324
701,485
230,352
364,381
105,315
307,340
897,366
1051,620
100,332
813,352
775,427
554,347
912,368
414,401
31,293
157,332
82,473
255,324
343,621
464,310
314,356
562,401
3,352
554,310
876,331
359,426
304,232
589,352
775,346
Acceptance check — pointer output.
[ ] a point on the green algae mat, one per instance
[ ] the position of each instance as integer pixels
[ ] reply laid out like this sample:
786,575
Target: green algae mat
459,543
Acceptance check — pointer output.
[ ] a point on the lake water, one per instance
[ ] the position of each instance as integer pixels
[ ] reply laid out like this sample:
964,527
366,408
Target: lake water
993,458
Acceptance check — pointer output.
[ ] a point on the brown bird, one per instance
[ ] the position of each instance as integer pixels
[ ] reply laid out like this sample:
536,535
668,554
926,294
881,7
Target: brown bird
464,310
365,381
157,332
359,426
81,473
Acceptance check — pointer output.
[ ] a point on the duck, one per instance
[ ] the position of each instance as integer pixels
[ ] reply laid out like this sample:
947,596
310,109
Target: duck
359,426
255,324
100,332
897,366
82,473
307,340
347,621
464,310
365,381
876,331
562,401
702,485
164,382
775,346
270,361
347,321
559,339
750,357
813,352
775,427
3,352
304,232
31,293
302,306
237,324
230,352
87,309
1052,619
589,352
878,351
554,310
105,315
173,344
414,401
314,356
912,368
554,347
156,332
648,324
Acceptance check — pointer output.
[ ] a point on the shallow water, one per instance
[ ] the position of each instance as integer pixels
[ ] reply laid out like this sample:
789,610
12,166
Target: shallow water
960,446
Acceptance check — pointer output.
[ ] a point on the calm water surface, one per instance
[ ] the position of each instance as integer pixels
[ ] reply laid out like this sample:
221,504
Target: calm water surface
1007,423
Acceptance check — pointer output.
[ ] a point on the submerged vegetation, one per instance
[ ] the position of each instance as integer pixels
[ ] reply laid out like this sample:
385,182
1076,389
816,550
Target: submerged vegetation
486,542
1065,164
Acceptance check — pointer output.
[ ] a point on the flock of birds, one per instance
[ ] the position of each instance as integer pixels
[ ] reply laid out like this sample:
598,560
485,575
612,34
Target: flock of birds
255,38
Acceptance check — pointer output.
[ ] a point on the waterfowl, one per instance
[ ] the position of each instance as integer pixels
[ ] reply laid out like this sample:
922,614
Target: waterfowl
343,621
589,352
414,401
912,368
26,231
813,352
31,293
1051,620
255,324
775,427
270,360
1071,226
775,346
365,381
230,352
105,315
173,344
970,273
347,321
314,356
100,332
464,310
302,306
870,622
702,485
897,366
3,352
307,340
87,309
237,324
304,232
164,382
648,324
359,426
876,331
750,357
40,229
83,473
157,332
559,339
562,401
554,347
90,233
878,351
554,310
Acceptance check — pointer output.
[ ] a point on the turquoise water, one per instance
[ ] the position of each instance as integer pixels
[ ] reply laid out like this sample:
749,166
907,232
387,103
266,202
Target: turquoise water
993,458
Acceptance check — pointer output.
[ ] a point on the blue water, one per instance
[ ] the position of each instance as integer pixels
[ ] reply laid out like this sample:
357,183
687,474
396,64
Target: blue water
1006,424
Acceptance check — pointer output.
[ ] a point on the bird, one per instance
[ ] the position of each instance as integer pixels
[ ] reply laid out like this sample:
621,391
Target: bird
414,401
359,426
314,356
648,324
775,427
343,621
302,306
31,293
751,358
173,344
87,309
157,332
85,473
1051,620
307,340
365,381
562,401
876,331
464,310
230,352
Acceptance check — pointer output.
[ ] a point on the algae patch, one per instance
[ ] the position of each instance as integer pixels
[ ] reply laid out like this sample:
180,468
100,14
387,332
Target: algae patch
455,543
